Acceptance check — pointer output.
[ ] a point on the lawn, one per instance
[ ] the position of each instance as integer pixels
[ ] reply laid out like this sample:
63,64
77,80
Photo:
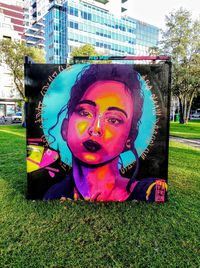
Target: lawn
79,234
191,130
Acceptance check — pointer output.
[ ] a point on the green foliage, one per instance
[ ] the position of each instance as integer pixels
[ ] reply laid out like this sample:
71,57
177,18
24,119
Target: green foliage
181,41
84,234
12,53
154,51
36,54
86,50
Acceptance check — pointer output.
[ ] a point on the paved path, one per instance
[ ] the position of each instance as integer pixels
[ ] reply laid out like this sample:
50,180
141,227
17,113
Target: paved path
191,142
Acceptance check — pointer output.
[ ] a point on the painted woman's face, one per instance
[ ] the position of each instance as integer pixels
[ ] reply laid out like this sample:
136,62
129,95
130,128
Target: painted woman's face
98,129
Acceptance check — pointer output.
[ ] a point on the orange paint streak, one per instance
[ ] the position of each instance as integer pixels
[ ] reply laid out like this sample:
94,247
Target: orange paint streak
101,174
109,186
105,102
90,157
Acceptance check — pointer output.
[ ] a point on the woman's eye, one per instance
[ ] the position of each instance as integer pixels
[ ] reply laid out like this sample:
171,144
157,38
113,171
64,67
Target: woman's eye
114,121
85,113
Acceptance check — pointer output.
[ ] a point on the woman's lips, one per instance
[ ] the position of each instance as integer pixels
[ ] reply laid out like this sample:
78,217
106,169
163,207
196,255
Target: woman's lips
92,146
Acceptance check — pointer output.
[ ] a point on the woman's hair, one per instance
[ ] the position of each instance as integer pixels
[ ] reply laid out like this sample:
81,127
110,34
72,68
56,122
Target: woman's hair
114,72
118,72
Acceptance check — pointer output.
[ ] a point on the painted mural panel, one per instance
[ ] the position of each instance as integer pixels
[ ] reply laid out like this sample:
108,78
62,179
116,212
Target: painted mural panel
97,132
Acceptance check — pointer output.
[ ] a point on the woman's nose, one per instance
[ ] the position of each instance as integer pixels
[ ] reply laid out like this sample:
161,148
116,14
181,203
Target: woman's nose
96,127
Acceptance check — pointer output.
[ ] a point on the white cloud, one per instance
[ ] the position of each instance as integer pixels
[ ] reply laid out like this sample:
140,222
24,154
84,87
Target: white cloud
154,11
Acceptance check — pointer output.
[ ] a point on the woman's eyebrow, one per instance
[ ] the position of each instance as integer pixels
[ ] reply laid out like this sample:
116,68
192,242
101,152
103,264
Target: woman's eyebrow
117,109
87,102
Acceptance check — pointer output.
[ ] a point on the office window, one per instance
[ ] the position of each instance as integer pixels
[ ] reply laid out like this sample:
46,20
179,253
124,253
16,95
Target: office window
73,25
76,25
73,11
122,28
86,16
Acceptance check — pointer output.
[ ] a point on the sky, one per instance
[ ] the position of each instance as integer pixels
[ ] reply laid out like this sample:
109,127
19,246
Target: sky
154,11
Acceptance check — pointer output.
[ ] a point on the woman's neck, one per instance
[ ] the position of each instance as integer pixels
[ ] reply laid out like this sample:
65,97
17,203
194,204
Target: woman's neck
101,183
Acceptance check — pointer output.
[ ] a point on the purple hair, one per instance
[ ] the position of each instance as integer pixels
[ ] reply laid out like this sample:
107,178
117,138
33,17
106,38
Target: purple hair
118,72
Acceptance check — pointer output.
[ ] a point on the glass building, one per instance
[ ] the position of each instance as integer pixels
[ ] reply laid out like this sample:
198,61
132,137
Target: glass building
56,33
34,11
73,23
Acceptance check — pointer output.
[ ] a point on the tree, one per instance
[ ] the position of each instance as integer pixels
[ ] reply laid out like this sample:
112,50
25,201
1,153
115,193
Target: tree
87,50
181,41
12,53
154,51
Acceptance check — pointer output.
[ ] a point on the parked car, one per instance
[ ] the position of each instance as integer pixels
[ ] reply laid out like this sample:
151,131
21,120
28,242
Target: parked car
196,115
17,117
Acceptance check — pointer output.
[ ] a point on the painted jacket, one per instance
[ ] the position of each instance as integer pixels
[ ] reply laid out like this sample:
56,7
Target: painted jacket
150,190
48,180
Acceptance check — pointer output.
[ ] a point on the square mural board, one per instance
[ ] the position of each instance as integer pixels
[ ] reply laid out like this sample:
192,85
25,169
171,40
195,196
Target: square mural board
97,132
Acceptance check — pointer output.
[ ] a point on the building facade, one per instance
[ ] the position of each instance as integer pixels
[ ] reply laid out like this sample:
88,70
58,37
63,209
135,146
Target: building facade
11,27
34,11
12,18
62,25
56,32
103,24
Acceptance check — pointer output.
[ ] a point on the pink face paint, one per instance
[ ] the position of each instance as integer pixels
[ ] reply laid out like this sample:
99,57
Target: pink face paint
104,118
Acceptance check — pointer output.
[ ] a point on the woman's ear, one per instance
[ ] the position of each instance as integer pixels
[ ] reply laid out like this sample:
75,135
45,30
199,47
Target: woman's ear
128,144
64,129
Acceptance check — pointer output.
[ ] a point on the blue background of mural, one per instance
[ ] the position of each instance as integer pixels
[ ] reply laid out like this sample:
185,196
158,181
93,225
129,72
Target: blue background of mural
57,97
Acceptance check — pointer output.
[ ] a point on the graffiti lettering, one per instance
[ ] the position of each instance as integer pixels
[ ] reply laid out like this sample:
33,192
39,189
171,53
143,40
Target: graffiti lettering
44,89
50,79
143,156
60,68
38,120
39,109
65,167
126,169
44,140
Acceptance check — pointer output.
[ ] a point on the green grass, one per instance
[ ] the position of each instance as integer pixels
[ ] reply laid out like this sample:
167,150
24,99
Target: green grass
80,234
191,130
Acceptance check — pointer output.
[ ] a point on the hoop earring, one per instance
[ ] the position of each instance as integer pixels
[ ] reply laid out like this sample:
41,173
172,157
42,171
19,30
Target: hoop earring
128,144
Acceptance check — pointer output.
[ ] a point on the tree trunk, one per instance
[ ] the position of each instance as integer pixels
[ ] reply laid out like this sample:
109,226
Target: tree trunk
185,110
181,121
23,114
190,104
